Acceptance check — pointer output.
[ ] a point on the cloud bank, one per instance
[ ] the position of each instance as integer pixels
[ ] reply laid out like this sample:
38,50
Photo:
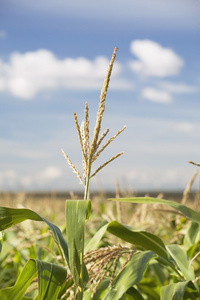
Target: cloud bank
12,178
155,95
26,75
154,60
154,63
178,88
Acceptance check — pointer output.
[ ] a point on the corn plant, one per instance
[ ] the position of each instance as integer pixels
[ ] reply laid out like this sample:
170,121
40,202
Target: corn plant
141,268
53,281
91,152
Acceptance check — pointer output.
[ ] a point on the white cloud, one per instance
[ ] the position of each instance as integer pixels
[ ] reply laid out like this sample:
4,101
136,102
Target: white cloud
159,144
26,181
51,173
154,60
161,178
185,127
155,95
28,74
178,88
12,179
8,178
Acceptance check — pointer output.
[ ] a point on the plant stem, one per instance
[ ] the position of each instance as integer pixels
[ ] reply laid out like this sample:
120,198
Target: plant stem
87,183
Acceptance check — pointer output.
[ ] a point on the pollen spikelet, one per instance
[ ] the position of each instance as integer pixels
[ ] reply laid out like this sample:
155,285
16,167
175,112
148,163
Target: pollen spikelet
101,106
194,163
104,262
86,127
79,134
85,151
102,137
108,142
73,167
107,162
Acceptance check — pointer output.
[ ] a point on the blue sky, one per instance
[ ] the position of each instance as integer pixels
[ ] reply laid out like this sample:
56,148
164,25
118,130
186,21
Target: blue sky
53,58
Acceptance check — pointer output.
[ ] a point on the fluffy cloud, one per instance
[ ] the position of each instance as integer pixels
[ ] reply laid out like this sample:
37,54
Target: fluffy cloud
154,60
12,179
185,127
178,88
8,178
155,95
30,73
50,173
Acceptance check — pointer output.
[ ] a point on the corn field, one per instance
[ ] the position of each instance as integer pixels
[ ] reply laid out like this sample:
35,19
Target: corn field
127,248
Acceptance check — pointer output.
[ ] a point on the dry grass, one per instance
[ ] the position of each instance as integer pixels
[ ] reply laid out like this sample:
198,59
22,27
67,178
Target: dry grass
47,205
52,206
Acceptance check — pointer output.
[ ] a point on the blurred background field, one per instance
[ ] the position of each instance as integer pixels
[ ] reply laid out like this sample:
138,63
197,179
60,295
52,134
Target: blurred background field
51,205
31,239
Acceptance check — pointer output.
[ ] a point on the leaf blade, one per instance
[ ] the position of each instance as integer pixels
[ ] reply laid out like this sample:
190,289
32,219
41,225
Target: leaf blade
143,239
77,212
130,275
12,216
186,211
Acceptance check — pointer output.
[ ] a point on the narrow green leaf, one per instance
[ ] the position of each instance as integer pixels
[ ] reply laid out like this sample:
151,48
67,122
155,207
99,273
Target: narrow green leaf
25,278
143,239
191,235
103,285
12,216
50,279
130,275
176,291
76,216
1,240
134,294
159,272
149,286
186,211
95,240
182,261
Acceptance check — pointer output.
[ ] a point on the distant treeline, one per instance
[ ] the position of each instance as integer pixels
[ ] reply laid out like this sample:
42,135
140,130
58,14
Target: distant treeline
168,195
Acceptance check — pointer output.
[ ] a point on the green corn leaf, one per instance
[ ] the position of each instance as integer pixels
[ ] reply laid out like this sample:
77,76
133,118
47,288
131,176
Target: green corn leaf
176,291
130,275
50,279
1,240
182,261
191,235
24,280
149,286
12,216
143,239
77,212
159,272
186,211
133,294
102,286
